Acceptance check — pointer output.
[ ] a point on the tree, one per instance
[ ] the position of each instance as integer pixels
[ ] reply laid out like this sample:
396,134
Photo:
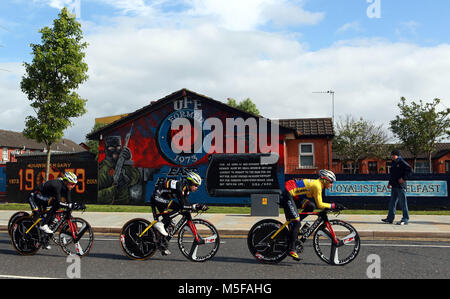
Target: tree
420,127
93,144
245,105
356,139
56,71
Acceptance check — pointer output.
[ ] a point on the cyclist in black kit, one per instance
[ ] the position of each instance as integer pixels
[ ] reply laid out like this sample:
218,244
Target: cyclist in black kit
163,198
50,194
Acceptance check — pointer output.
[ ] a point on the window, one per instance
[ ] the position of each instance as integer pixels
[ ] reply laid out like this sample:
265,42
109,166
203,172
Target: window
373,167
5,154
306,155
422,167
349,167
447,166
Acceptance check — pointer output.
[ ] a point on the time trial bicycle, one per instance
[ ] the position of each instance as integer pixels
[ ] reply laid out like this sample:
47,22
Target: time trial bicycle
335,242
198,239
74,235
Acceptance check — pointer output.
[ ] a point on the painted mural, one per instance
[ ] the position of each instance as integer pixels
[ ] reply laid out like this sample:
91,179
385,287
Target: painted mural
187,131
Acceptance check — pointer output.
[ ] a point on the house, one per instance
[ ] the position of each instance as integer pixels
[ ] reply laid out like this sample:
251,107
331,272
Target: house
310,149
149,135
15,143
440,160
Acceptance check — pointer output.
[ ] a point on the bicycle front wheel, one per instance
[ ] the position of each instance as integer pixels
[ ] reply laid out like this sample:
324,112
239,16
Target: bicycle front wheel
25,238
135,245
337,244
198,241
84,237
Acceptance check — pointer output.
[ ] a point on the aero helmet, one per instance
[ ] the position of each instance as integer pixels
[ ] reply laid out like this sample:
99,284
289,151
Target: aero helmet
70,177
328,175
194,178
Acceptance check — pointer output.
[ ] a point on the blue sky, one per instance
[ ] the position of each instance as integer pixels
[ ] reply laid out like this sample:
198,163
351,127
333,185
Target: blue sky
268,50
413,21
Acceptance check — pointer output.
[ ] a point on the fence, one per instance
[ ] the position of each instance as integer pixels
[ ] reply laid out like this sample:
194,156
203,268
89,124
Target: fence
365,191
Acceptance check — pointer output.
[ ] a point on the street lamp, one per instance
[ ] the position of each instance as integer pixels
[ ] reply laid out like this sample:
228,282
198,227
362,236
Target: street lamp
332,101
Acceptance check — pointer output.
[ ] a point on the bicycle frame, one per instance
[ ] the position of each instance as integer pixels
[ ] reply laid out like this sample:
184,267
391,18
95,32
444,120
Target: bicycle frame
321,218
63,216
186,217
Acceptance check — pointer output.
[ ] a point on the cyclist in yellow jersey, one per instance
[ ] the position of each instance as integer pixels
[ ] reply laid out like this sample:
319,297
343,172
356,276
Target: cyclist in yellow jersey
297,194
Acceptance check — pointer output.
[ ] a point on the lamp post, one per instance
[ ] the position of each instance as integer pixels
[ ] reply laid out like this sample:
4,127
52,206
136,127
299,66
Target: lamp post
332,101
332,122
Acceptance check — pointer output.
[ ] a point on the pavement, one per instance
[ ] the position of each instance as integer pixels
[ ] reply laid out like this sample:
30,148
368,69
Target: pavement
428,227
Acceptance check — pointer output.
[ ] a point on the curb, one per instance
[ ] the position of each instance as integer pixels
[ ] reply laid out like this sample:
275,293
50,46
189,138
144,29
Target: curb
367,235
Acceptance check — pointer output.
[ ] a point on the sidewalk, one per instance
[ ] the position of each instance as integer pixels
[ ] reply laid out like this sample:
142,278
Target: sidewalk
369,227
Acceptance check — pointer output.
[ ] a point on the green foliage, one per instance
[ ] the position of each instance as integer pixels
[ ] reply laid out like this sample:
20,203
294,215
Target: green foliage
245,105
420,126
356,139
56,71
93,144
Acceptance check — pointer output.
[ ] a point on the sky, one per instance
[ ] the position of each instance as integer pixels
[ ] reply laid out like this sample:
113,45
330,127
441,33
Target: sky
278,53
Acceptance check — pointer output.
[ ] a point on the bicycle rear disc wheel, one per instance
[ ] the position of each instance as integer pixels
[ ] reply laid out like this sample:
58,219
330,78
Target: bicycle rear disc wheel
262,247
23,242
341,251
134,246
13,219
203,248
84,244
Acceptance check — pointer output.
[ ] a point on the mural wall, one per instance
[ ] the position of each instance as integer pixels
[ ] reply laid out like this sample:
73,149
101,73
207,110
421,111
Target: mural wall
190,132
24,176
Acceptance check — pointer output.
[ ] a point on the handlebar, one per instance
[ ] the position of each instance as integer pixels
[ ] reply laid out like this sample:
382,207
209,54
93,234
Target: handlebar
73,206
196,208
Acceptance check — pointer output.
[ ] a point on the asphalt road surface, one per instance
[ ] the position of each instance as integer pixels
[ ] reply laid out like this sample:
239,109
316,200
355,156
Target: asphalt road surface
377,259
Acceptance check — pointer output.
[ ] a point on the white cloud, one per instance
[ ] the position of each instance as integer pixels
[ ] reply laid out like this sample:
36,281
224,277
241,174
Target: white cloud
354,26
230,14
407,29
285,13
15,105
140,59
130,69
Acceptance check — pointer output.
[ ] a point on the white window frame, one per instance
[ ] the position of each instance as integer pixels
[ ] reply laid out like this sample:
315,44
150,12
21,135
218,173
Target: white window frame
308,154
422,166
5,155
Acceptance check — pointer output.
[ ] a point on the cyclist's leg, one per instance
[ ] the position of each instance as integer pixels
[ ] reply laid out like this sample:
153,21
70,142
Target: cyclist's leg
307,206
291,213
162,206
38,204
54,205
33,204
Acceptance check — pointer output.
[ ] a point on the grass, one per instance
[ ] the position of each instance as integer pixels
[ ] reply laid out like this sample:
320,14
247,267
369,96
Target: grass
212,209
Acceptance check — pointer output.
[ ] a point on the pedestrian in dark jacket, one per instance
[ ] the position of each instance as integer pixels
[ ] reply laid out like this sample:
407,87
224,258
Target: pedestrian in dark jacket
400,172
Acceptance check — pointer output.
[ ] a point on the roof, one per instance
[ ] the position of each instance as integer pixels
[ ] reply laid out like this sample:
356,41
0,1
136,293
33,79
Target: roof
310,126
57,156
17,140
155,105
441,150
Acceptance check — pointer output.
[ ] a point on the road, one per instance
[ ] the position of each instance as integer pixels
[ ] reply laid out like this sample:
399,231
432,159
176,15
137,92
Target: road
378,259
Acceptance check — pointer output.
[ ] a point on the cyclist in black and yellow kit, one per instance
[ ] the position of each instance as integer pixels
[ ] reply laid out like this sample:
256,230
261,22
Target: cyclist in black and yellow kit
299,194
173,194
50,193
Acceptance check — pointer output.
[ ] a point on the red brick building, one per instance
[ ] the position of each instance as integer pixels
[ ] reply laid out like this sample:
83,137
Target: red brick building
15,143
440,160
309,149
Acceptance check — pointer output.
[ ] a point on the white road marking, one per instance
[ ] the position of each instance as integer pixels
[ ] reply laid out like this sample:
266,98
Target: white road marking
406,245
24,277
